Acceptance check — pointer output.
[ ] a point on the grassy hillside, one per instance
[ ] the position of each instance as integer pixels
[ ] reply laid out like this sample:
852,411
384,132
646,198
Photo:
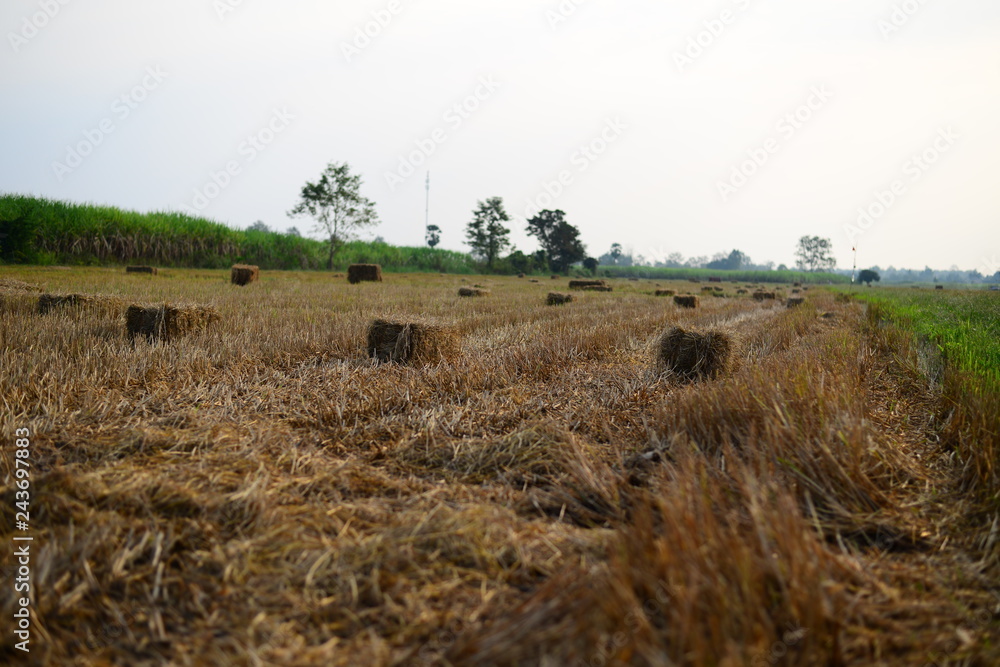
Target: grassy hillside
40,231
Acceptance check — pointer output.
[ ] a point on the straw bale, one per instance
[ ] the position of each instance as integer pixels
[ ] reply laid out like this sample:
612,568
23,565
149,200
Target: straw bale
364,273
167,321
412,342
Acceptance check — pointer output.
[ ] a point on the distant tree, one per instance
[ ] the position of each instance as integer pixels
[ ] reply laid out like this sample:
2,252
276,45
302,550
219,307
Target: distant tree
485,233
520,263
559,240
336,204
294,231
616,252
995,278
734,261
815,254
433,235
782,267
697,262
675,260
259,226
591,264
869,276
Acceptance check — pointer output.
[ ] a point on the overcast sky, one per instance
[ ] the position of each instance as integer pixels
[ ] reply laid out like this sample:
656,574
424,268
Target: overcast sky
692,127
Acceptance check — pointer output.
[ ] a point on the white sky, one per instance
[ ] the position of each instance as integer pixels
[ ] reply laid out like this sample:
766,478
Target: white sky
655,188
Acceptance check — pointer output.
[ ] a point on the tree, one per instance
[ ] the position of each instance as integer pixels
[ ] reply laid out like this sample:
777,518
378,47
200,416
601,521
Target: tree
591,265
560,241
869,275
294,231
734,261
815,254
336,204
485,233
259,226
616,252
433,235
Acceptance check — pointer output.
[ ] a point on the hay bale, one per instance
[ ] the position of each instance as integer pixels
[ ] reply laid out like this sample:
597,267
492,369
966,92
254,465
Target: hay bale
412,342
796,291
796,284
520,275
473,291
707,289
584,284
688,301
151,270
49,302
795,301
532,281
694,280
764,296
693,355
558,299
364,273
633,280
167,322
939,287
665,292
555,277
742,291
719,289
244,274
598,288
715,280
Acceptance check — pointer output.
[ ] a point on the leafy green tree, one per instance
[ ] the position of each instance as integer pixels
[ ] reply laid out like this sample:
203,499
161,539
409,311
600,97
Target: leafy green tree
616,252
433,235
560,240
735,261
485,233
591,265
336,204
869,276
815,254
259,226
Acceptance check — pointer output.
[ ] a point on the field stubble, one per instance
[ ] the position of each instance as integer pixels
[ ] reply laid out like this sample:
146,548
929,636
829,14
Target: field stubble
264,493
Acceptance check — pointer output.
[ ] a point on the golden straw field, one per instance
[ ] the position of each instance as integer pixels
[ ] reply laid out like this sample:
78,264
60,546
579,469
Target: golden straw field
262,492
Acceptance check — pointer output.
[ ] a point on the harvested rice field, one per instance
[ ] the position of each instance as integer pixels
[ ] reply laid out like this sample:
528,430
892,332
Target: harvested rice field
543,489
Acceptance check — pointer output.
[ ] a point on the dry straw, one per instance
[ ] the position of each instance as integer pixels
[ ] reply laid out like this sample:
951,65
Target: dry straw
473,291
665,292
763,296
412,342
558,299
794,301
141,269
244,274
167,322
693,355
12,284
687,301
50,302
364,273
